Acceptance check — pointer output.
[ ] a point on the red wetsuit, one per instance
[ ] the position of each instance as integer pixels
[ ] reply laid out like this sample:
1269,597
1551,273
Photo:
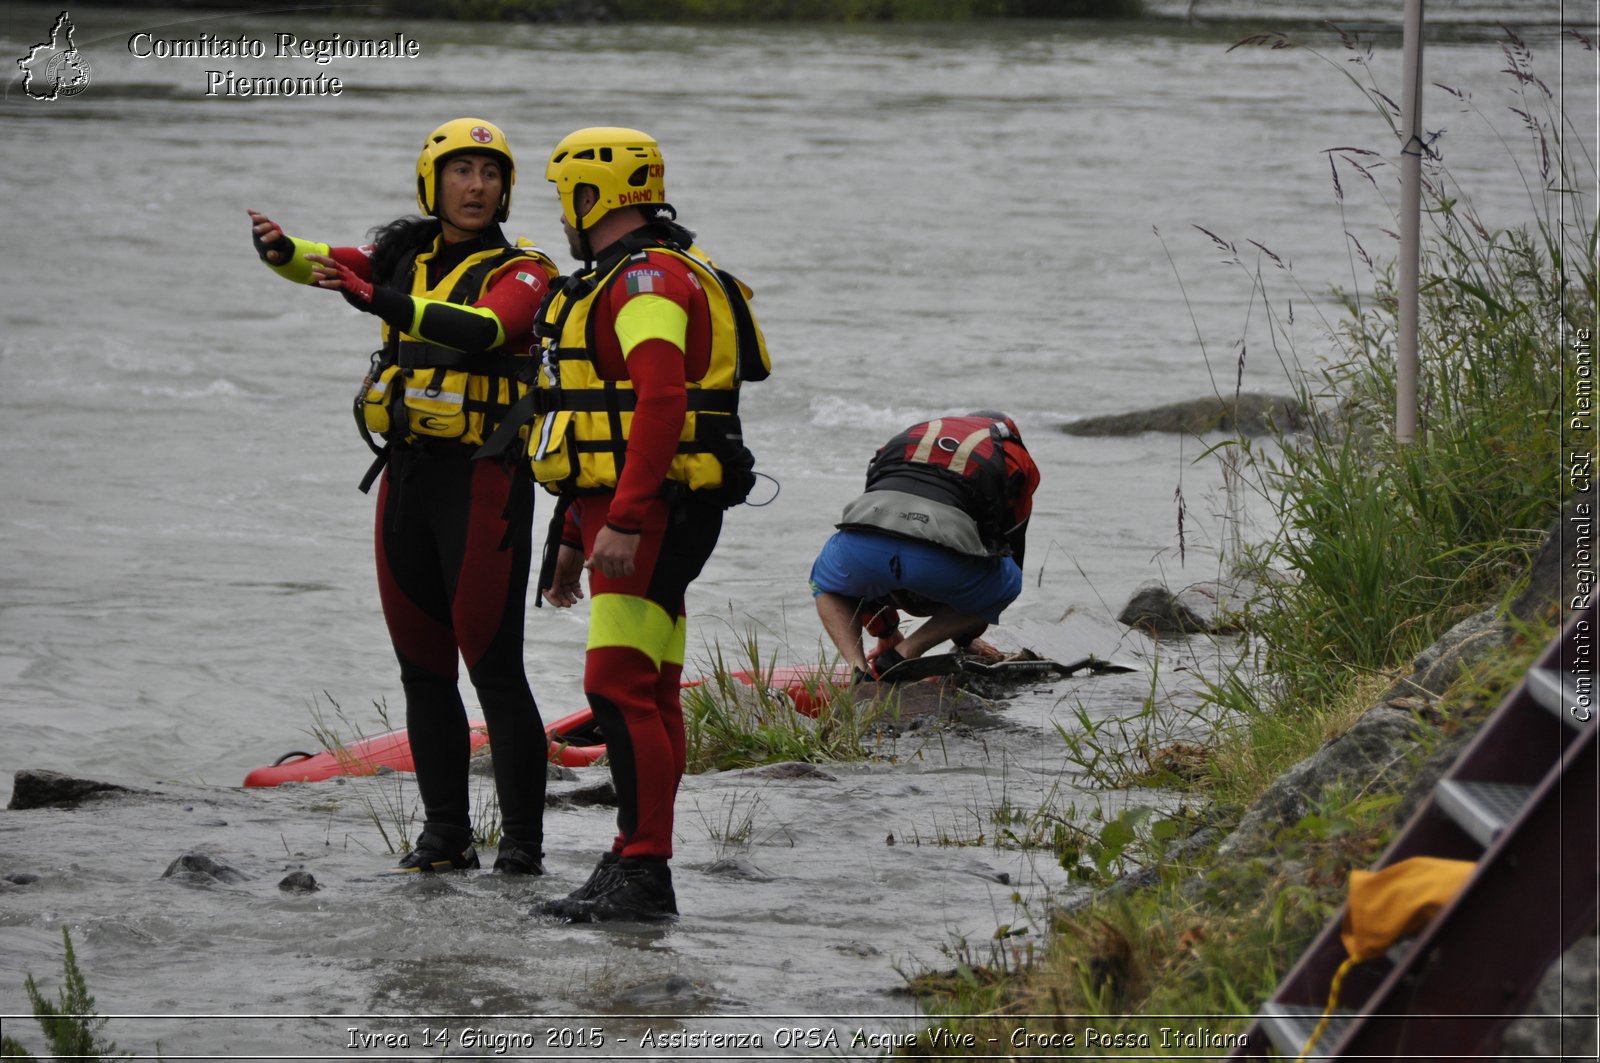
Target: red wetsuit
452,542
634,689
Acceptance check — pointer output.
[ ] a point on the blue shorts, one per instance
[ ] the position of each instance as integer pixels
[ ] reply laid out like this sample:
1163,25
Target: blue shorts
866,565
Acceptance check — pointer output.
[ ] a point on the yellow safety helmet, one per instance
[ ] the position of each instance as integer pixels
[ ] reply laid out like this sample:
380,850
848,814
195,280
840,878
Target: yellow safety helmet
463,136
624,165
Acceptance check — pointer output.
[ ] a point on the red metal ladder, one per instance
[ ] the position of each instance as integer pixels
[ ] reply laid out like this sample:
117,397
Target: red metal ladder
1521,802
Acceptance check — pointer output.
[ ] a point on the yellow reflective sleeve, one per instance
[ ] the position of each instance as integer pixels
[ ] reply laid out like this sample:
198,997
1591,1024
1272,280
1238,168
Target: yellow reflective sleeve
651,317
636,623
297,269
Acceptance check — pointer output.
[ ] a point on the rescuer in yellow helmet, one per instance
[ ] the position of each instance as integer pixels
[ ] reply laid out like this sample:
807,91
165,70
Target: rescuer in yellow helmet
640,436
457,303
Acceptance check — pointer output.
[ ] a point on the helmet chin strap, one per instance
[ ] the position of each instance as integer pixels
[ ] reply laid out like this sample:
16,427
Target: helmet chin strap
585,245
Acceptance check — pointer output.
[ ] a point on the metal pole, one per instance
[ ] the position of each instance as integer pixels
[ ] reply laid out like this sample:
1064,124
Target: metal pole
1405,412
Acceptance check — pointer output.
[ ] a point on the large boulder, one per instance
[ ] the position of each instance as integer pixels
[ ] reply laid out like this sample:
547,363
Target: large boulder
40,788
1249,415
1370,755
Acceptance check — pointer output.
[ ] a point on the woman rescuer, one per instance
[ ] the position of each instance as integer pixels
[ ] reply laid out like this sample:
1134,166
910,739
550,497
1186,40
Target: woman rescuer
458,303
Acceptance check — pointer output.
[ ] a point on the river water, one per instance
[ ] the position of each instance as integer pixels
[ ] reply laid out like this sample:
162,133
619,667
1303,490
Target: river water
933,218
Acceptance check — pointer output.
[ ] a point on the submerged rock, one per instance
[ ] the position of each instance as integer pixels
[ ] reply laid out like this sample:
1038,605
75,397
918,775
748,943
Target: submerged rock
792,769
1250,415
737,867
597,793
299,882
1210,608
198,869
39,788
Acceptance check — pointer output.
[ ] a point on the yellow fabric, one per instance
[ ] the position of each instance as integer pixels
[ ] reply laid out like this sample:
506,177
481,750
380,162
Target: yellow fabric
636,623
680,639
1398,901
437,408
651,317
297,269
1385,906
560,466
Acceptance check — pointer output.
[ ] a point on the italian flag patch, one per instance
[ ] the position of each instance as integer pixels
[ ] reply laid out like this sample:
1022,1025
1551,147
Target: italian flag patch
642,282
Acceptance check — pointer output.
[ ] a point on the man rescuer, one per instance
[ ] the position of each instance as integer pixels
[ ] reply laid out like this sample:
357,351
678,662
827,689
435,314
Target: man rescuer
938,532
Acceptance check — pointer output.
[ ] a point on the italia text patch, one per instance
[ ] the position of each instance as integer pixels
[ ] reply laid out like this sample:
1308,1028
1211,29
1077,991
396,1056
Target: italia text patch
643,281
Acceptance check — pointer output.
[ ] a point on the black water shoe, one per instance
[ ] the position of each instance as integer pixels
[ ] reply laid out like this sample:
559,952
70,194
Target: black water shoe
884,663
518,859
640,893
434,853
629,891
600,880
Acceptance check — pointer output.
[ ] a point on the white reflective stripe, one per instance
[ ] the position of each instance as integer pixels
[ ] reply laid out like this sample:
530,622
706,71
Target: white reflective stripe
379,387
544,439
958,461
925,447
434,396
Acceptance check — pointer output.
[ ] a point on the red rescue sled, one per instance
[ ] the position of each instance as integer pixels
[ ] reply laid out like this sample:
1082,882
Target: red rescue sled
575,740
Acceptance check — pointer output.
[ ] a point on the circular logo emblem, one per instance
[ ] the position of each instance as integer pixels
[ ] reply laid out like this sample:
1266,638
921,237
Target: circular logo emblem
68,72
480,134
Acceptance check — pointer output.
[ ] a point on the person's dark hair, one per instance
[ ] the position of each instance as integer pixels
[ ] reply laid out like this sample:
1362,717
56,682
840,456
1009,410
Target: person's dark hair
391,243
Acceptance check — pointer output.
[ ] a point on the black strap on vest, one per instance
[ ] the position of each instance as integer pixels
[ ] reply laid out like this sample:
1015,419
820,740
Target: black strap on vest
416,354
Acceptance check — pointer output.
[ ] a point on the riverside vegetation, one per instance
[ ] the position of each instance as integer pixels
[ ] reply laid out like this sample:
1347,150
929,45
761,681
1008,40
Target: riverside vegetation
1383,547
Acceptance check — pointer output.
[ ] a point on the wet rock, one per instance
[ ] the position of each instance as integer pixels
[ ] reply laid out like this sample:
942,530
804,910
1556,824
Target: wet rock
1251,415
299,882
198,869
21,878
39,788
1553,577
1367,755
1456,650
559,773
737,867
792,769
598,793
1560,1023
857,948
912,700
1200,609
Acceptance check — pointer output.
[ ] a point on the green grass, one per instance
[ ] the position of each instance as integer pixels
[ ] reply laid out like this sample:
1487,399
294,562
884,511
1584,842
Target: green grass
731,724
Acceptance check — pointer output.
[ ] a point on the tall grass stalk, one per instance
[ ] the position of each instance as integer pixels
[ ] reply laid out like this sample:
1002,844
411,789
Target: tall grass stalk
385,797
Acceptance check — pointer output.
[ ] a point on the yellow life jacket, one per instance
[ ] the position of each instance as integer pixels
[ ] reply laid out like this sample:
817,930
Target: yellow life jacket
417,388
580,437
